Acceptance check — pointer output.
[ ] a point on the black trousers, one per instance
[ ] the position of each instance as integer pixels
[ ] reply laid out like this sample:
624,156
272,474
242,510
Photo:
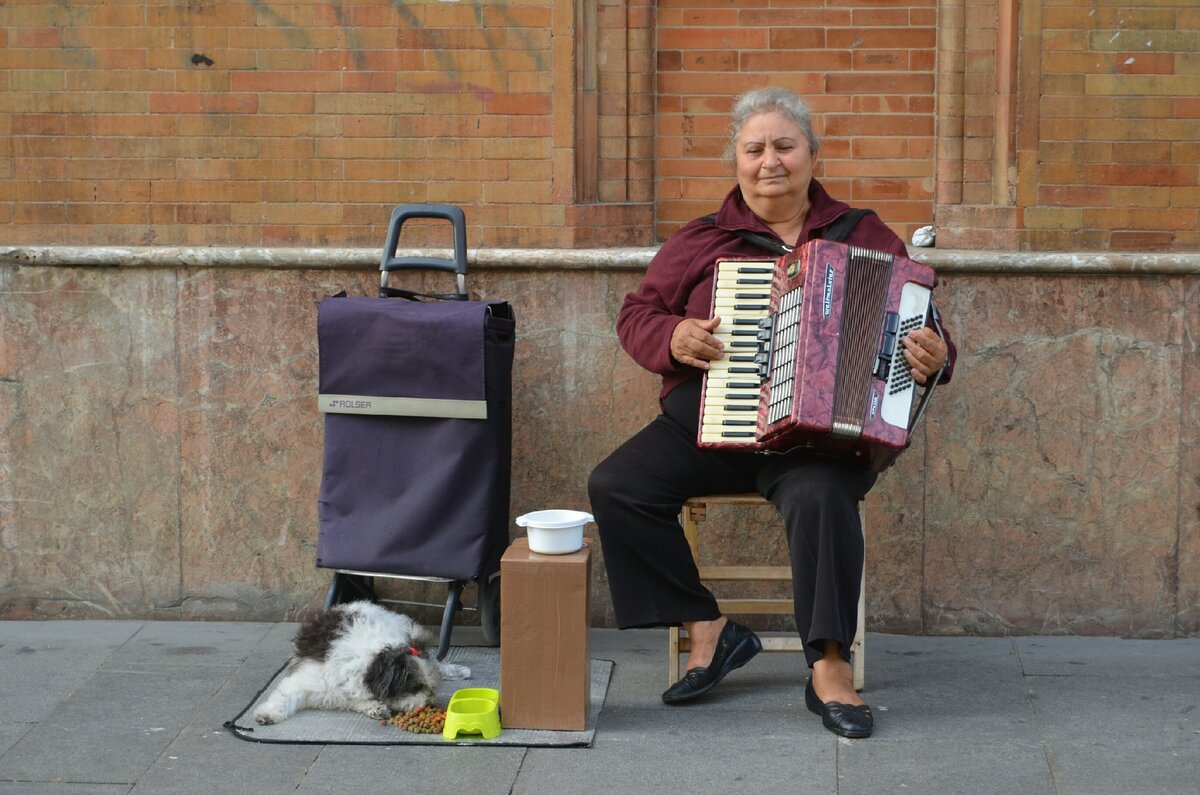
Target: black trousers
637,493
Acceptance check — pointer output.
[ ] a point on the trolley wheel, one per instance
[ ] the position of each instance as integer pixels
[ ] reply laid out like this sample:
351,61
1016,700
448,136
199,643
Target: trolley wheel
489,609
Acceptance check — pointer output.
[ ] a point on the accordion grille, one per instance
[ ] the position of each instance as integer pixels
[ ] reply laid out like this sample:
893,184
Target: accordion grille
867,277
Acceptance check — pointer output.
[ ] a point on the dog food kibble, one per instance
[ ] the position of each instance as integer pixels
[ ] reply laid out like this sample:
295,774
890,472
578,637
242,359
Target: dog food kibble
422,720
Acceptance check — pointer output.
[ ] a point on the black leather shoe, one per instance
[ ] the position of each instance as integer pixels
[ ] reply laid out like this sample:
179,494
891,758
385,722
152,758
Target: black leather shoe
844,720
736,647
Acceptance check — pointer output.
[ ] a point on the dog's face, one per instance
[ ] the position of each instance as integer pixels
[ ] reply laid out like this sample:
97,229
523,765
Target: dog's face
398,674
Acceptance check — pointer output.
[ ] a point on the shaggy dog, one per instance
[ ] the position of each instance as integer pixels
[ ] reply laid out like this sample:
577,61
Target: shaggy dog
361,657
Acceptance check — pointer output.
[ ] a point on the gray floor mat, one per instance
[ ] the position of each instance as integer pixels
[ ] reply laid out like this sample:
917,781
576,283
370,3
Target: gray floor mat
348,728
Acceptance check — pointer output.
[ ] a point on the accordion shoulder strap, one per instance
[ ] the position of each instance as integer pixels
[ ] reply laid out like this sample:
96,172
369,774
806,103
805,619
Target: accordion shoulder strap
840,229
837,231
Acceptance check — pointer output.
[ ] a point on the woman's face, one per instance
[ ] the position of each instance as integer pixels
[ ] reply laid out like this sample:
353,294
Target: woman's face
773,159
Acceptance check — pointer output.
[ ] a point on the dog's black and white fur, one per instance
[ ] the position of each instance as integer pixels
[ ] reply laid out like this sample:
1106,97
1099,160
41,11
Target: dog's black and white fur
362,657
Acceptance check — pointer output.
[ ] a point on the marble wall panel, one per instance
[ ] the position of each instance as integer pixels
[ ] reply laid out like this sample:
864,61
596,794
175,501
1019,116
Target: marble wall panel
1061,459
576,395
89,524
1188,571
895,508
250,441
894,528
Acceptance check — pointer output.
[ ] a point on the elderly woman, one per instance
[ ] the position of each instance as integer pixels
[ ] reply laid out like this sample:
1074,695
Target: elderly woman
637,492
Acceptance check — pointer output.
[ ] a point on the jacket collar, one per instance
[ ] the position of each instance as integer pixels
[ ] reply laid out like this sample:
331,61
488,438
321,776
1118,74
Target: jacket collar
824,210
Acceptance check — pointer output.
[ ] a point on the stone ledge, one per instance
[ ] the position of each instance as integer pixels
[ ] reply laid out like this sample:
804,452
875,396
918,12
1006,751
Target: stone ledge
636,259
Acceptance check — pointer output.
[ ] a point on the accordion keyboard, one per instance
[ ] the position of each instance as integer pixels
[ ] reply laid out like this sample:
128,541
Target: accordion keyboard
732,384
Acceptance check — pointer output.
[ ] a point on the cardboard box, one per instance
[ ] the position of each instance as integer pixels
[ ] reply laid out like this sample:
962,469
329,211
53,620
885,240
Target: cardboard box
545,670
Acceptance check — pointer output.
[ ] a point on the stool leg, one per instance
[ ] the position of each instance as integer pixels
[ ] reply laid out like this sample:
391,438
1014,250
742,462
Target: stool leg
690,516
672,656
859,648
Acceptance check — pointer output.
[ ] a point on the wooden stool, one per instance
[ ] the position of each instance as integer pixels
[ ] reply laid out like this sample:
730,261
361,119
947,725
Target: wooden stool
694,512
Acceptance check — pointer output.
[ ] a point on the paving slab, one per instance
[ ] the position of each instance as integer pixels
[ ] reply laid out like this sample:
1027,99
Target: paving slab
876,766
10,733
170,644
214,762
1054,656
755,722
1121,734
452,770
60,788
741,755
112,727
205,745
948,690
42,662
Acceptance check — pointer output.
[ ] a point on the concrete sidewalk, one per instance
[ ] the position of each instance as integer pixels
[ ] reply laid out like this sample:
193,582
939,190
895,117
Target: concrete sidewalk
101,707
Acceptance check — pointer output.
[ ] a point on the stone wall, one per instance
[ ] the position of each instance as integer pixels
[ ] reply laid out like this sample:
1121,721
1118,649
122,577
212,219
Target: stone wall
161,448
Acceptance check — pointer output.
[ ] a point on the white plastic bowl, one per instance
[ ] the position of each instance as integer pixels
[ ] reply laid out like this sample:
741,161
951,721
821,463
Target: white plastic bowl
554,532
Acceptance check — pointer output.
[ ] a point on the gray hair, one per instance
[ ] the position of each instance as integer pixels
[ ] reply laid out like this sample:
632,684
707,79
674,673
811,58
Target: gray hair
770,100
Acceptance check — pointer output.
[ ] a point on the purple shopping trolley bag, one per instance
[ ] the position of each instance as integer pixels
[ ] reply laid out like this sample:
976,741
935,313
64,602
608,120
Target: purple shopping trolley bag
418,436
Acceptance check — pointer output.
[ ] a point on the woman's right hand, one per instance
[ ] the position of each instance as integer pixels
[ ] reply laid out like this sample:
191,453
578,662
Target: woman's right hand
693,343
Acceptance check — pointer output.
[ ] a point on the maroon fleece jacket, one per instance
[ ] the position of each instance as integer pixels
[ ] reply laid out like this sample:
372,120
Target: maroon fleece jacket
679,281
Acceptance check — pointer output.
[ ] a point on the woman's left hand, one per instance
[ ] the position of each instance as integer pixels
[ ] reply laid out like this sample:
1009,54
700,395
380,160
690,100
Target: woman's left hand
925,353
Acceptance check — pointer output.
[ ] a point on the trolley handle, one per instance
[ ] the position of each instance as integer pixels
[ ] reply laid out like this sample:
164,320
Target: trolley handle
457,265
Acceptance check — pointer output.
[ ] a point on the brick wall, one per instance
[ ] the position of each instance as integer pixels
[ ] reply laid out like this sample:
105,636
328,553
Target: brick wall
1093,145
1120,126
1037,124
867,70
304,123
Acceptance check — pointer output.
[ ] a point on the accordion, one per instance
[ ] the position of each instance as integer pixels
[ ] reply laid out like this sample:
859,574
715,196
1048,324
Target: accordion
813,354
